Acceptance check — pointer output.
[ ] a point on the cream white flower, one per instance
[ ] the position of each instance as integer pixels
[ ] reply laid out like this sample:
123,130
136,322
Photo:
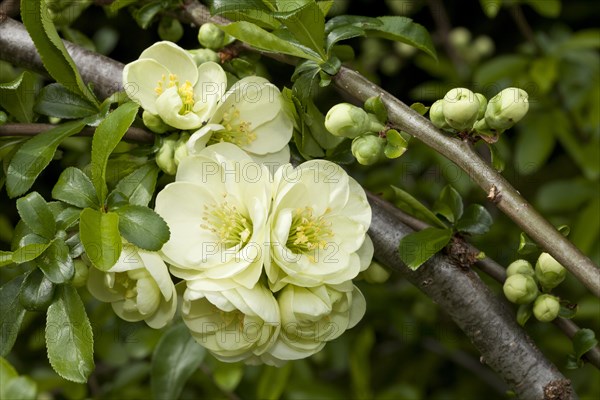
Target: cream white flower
217,212
252,116
318,224
310,317
138,287
234,325
166,82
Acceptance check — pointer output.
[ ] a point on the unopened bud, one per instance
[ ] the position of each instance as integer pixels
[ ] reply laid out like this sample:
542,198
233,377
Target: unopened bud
375,273
210,36
460,107
484,46
522,267
154,123
170,29
546,308
368,149
520,289
181,150
460,37
506,108
350,121
549,272
436,115
482,105
201,56
165,156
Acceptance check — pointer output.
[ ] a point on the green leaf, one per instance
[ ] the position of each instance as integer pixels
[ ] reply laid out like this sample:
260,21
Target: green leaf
36,292
65,216
11,314
69,336
176,357
7,373
273,381
524,312
449,204
497,160
360,366
343,32
36,214
144,16
54,55
99,233
526,245
375,106
227,376
418,247
546,8
403,29
21,387
5,258
29,252
108,134
307,24
56,262
143,227
139,185
315,122
354,20
535,143
17,97
567,310
263,40
57,101
405,201
75,188
475,221
583,341
252,11
35,155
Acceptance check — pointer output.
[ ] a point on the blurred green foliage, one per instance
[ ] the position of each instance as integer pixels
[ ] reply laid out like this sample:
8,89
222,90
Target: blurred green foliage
405,347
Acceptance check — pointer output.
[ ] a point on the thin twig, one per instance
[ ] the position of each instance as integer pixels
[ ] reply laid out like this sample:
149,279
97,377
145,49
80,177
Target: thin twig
442,22
133,134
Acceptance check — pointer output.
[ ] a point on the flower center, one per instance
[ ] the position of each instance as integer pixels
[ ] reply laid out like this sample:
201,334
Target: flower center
236,131
308,233
185,91
124,285
228,223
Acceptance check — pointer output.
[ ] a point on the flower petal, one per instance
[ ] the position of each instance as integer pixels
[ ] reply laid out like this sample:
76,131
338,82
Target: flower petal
175,59
168,106
140,79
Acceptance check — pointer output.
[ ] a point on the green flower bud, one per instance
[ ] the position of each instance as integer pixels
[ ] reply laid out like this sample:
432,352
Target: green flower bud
436,115
460,107
154,123
368,149
549,272
506,108
520,289
460,37
482,105
546,308
81,273
181,150
350,121
210,36
165,155
3,117
484,46
170,29
522,267
201,56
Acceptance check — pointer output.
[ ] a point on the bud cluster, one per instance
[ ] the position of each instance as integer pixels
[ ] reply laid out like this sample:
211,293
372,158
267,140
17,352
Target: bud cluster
524,284
468,48
461,110
372,140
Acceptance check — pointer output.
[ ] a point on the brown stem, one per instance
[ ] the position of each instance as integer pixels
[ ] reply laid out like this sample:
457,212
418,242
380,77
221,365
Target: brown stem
133,135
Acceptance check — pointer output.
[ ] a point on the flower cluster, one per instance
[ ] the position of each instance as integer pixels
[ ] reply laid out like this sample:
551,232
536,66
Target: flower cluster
177,94
267,260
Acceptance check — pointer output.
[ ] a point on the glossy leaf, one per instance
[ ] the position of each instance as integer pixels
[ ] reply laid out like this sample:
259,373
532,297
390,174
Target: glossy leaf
17,97
403,29
36,292
307,24
252,11
75,188
11,314
405,201
375,106
273,381
583,341
144,16
343,32
418,247
526,245
29,252
54,55
56,262
99,233
475,221
69,337
524,313
142,227
5,258
263,40
176,357
35,155
36,214
139,185
108,134
449,204
497,161
57,101
21,388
